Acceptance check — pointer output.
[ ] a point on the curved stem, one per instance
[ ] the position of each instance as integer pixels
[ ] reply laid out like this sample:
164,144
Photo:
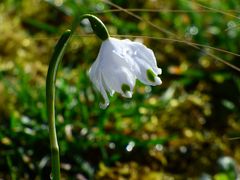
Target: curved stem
50,95
101,31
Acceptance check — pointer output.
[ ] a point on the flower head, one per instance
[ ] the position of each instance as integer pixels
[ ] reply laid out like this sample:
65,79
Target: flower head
118,65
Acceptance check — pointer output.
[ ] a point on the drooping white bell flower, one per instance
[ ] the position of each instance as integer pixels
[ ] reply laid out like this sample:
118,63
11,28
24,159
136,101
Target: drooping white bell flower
118,65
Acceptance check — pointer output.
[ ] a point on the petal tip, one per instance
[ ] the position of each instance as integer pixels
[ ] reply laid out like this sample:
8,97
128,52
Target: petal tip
159,71
103,105
158,81
127,94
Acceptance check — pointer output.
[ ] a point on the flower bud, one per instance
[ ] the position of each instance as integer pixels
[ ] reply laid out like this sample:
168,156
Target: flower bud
98,27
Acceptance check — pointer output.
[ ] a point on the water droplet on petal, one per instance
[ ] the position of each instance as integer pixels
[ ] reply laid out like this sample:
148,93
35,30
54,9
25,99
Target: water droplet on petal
135,53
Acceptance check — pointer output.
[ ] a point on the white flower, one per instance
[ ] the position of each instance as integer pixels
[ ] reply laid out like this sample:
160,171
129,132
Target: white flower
118,65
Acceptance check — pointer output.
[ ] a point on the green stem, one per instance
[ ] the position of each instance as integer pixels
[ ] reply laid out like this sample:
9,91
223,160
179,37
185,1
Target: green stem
101,31
50,94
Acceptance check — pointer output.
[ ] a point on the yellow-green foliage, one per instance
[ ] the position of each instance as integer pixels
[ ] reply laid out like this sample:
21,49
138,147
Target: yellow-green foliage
178,130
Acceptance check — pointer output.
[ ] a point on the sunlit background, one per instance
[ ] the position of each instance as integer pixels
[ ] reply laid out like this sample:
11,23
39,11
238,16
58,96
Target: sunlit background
188,127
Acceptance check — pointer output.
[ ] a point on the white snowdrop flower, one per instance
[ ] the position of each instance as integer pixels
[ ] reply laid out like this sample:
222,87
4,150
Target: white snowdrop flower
118,65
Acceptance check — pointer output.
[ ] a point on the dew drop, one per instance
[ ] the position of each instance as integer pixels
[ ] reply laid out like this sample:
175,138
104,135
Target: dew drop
100,7
159,147
51,176
148,89
193,30
112,145
183,149
130,146
231,24
58,2
84,131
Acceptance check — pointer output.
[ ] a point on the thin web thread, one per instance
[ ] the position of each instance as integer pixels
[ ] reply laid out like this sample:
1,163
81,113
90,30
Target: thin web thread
173,35
226,13
196,46
216,10
163,39
165,10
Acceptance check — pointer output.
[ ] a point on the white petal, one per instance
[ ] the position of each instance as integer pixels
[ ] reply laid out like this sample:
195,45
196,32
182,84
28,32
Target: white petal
143,59
104,104
158,80
96,78
95,70
116,73
147,55
119,63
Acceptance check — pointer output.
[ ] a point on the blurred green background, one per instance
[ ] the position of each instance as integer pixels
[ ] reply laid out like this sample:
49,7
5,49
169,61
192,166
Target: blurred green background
186,128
